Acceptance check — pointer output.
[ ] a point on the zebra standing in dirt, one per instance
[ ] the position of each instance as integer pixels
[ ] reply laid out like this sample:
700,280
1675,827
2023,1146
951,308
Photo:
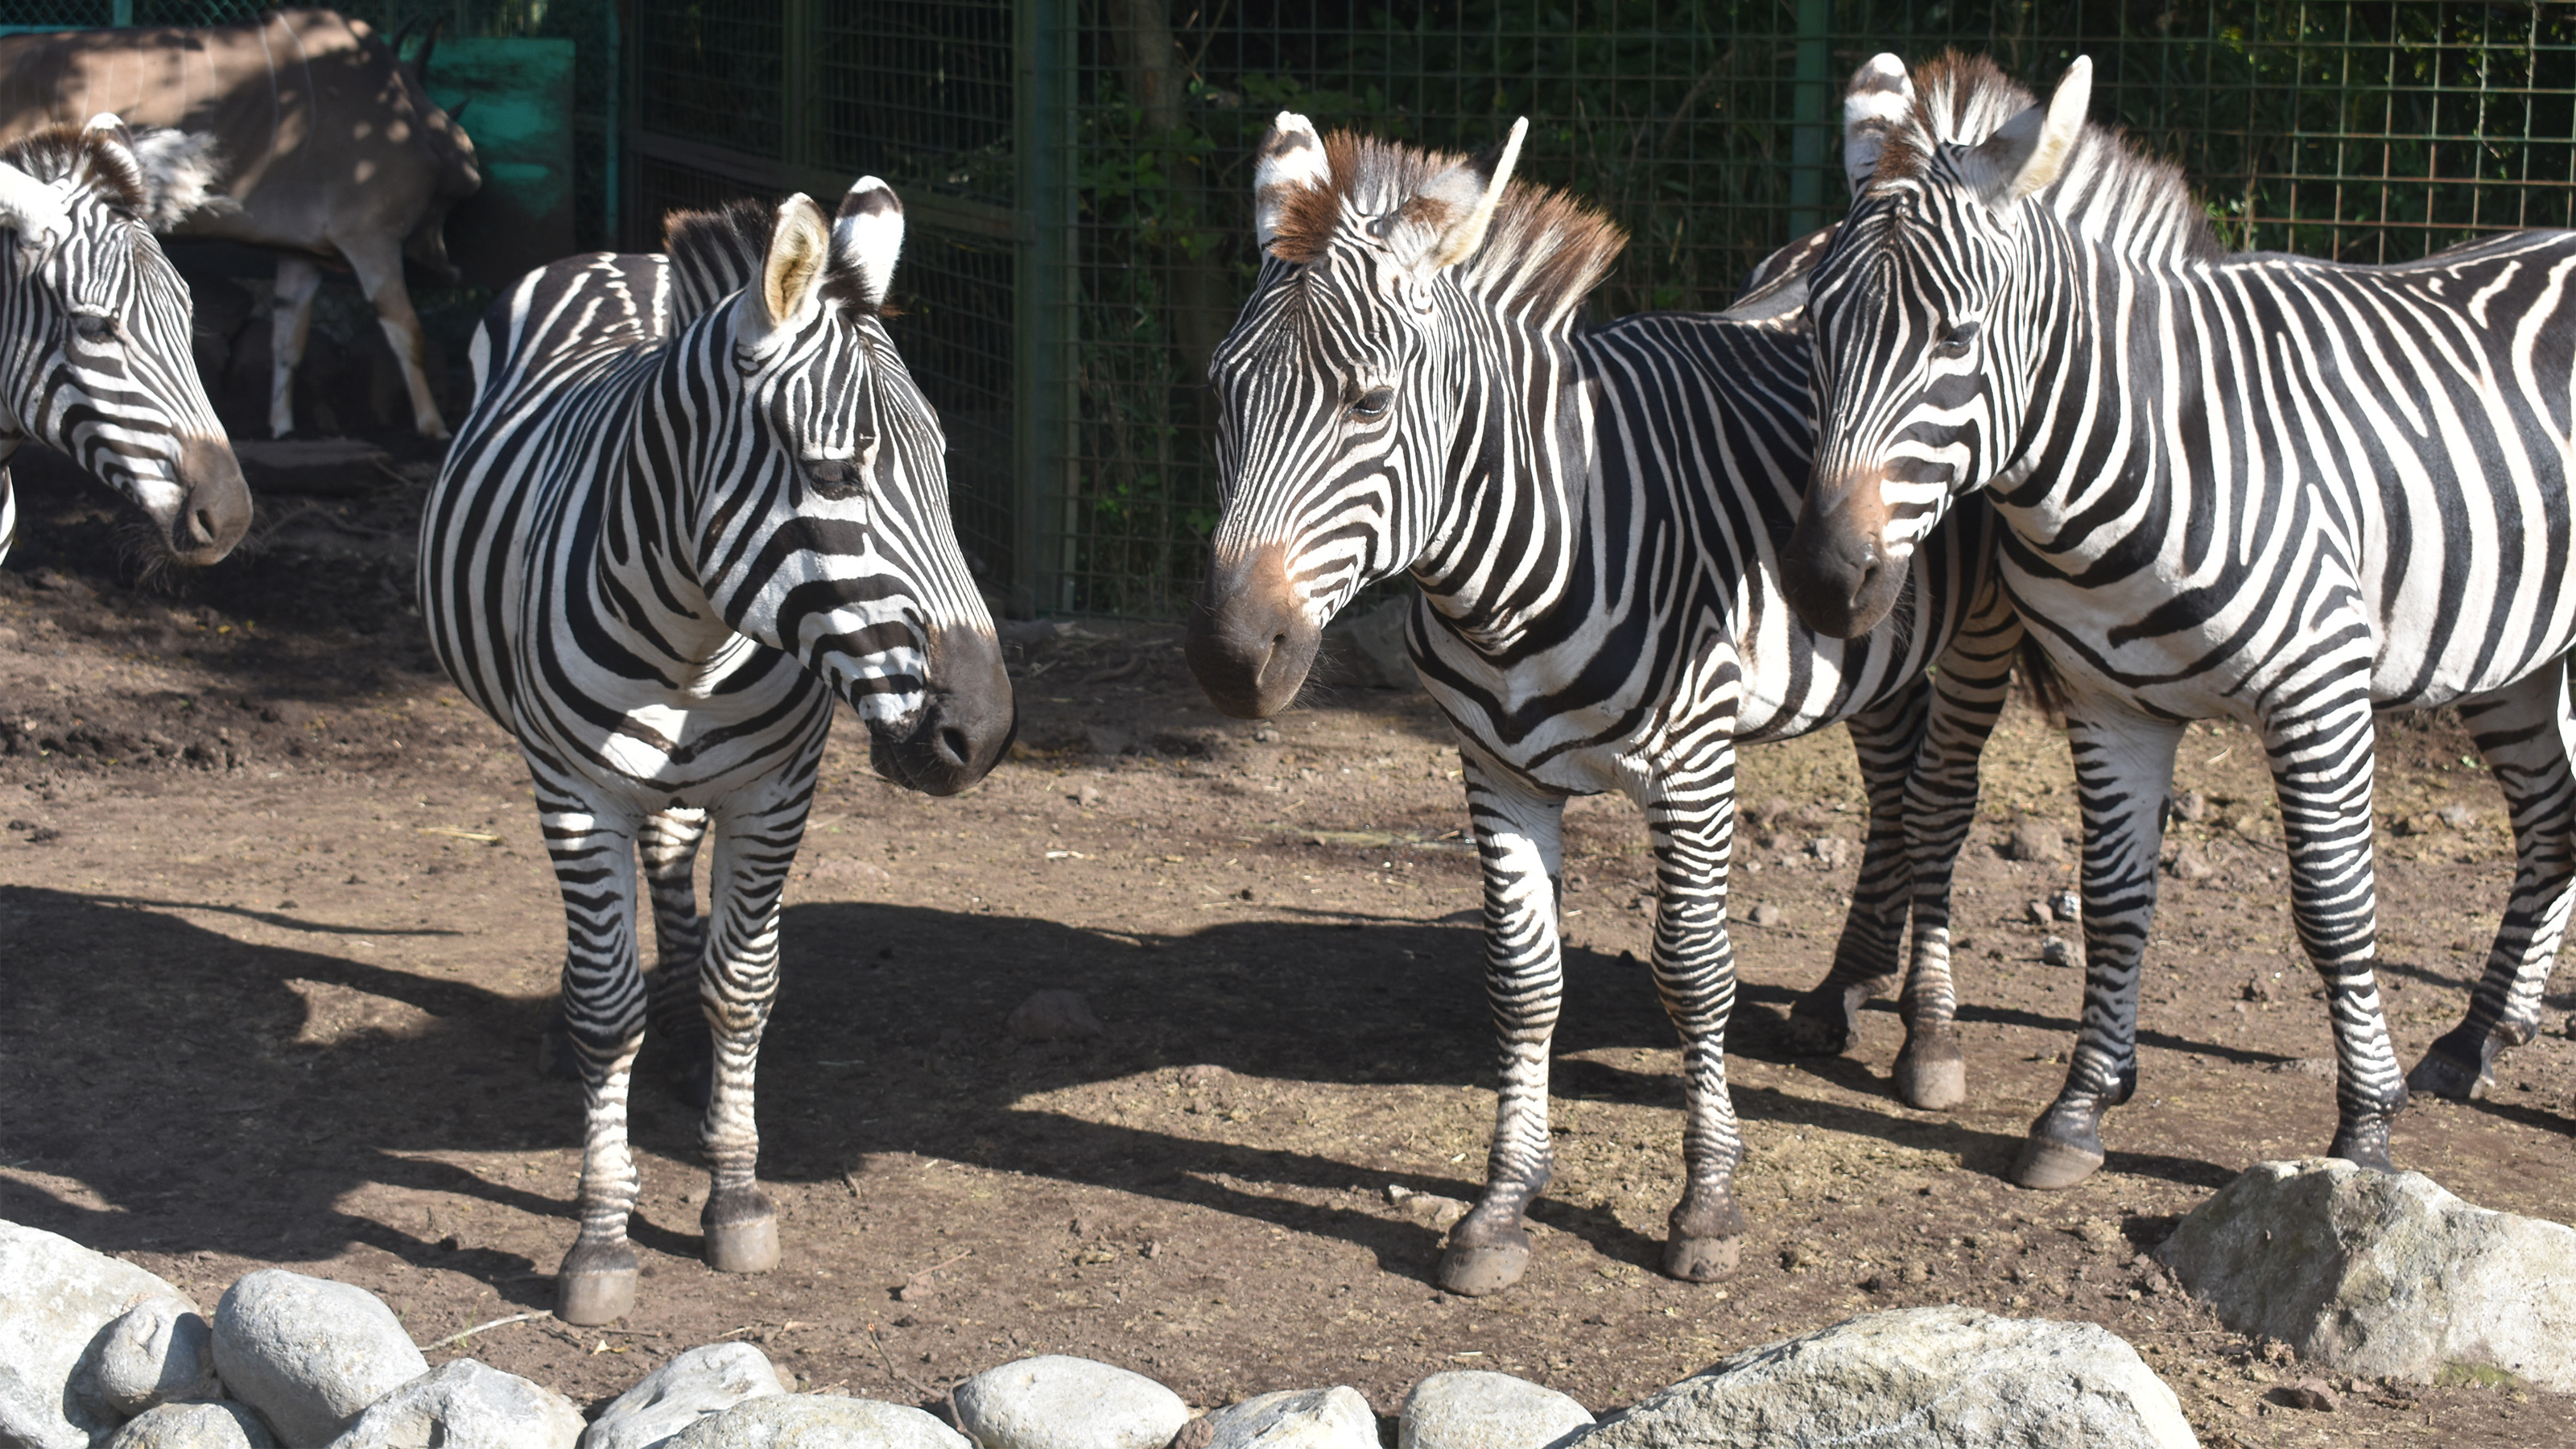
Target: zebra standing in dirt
698,501
1589,514
94,334
2267,487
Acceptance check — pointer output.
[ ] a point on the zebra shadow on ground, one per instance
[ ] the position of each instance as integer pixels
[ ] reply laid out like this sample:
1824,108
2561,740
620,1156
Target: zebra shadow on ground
174,1089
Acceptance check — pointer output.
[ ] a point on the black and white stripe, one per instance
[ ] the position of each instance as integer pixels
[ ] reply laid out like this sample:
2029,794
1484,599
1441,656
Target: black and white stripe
2263,487
699,499
94,342
1589,515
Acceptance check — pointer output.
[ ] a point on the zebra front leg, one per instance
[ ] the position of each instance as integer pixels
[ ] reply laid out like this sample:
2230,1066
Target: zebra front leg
2123,772
1826,1021
1691,819
669,848
2322,767
1968,691
1518,833
756,836
2526,735
603,996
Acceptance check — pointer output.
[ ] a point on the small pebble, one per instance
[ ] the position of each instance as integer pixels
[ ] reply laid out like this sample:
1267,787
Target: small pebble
2067,906
2039,913
2458,817
1767,914
2055,952
1086,796
2310,1394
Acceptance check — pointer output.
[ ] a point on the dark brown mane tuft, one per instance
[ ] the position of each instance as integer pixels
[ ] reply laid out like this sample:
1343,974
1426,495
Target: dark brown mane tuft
60,151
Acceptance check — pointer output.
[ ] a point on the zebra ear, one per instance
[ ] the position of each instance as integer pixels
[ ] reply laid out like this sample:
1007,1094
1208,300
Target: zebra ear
867,236
183,175
1879,99
2027,152
800,253
30,208
1291,161
1445,221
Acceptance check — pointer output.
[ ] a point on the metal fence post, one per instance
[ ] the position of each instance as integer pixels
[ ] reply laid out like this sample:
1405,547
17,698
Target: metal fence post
799,44
1812,133
1042,310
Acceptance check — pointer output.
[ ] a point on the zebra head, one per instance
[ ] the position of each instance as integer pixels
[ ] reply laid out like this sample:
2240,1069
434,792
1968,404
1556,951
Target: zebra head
1340,389
828,534
1928,320
95,346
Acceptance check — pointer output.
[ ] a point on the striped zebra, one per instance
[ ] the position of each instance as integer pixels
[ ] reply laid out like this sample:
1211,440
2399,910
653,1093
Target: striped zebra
2270,488
1589,515
94,336
698,500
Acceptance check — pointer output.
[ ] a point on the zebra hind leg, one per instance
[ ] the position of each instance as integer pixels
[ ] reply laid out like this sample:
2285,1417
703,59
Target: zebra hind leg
1517,838
668,846
2123,771
2526,735
1826,1020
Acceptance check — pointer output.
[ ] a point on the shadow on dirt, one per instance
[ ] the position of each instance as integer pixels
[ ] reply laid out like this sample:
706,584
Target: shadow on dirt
212,1094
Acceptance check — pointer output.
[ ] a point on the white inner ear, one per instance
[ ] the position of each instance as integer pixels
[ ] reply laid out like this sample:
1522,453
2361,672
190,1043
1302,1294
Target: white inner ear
31,208
2058,136
1461,203
800,252
1880,97
1292,160
868,235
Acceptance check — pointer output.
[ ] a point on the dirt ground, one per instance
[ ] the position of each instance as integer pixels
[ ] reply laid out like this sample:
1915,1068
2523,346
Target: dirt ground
278,937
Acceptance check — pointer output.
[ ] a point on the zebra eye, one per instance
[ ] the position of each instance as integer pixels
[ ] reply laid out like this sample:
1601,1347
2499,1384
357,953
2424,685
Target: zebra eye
1373,403
1956,340
94,326
835,478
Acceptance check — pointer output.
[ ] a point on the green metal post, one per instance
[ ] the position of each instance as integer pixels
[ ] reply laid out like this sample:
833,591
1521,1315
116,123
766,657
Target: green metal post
1812,139
798,48
1042,291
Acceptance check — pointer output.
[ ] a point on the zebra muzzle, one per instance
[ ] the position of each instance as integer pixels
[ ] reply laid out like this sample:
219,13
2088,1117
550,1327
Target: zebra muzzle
1249,643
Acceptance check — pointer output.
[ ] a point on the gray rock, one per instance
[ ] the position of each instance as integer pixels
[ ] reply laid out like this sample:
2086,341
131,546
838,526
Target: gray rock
308,1353
55,1296
693,1385
2066,906
466,1405
1367,648
2383,1275
1054,1014
160,1351
2055,952
2038,913
1832,852
1915,1378
2190,863
1058,1402
1480,1409
1767,914
1334,1418
817,1421
2035,840
194,1426
2190,806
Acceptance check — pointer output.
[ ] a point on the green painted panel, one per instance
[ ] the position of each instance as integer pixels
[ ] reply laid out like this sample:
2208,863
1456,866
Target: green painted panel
514,97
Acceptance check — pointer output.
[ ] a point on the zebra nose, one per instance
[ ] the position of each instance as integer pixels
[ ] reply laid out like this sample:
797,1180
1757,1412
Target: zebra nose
1249,643
1833,568
214,511
968,717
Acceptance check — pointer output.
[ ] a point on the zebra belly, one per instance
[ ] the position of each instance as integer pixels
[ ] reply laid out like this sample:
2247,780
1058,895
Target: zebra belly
660,750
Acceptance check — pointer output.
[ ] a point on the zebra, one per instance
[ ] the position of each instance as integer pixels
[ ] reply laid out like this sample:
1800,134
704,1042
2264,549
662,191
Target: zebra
1588,514
2287,491
699,499
95,355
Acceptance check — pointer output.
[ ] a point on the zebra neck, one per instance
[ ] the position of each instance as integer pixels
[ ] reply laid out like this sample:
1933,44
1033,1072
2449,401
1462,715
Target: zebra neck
1515,494
644,564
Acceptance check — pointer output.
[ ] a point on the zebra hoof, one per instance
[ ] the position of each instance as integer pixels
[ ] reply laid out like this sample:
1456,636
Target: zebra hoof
2047,1164
1928,1081
1481,1271
2447,1076
1702,1260
596,1285
742,1232
2364,1146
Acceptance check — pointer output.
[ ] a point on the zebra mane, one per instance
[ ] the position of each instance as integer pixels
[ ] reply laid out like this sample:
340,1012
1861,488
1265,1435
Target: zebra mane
717,253
1544,250
2109,192
59,152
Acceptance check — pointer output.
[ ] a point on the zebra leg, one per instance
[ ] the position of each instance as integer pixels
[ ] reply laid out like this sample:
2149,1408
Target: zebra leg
290,321
1691,818
1968,691
2526,735
756,835
2123,772
1826,1021
1518,833
603,994
2322,767
669,848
